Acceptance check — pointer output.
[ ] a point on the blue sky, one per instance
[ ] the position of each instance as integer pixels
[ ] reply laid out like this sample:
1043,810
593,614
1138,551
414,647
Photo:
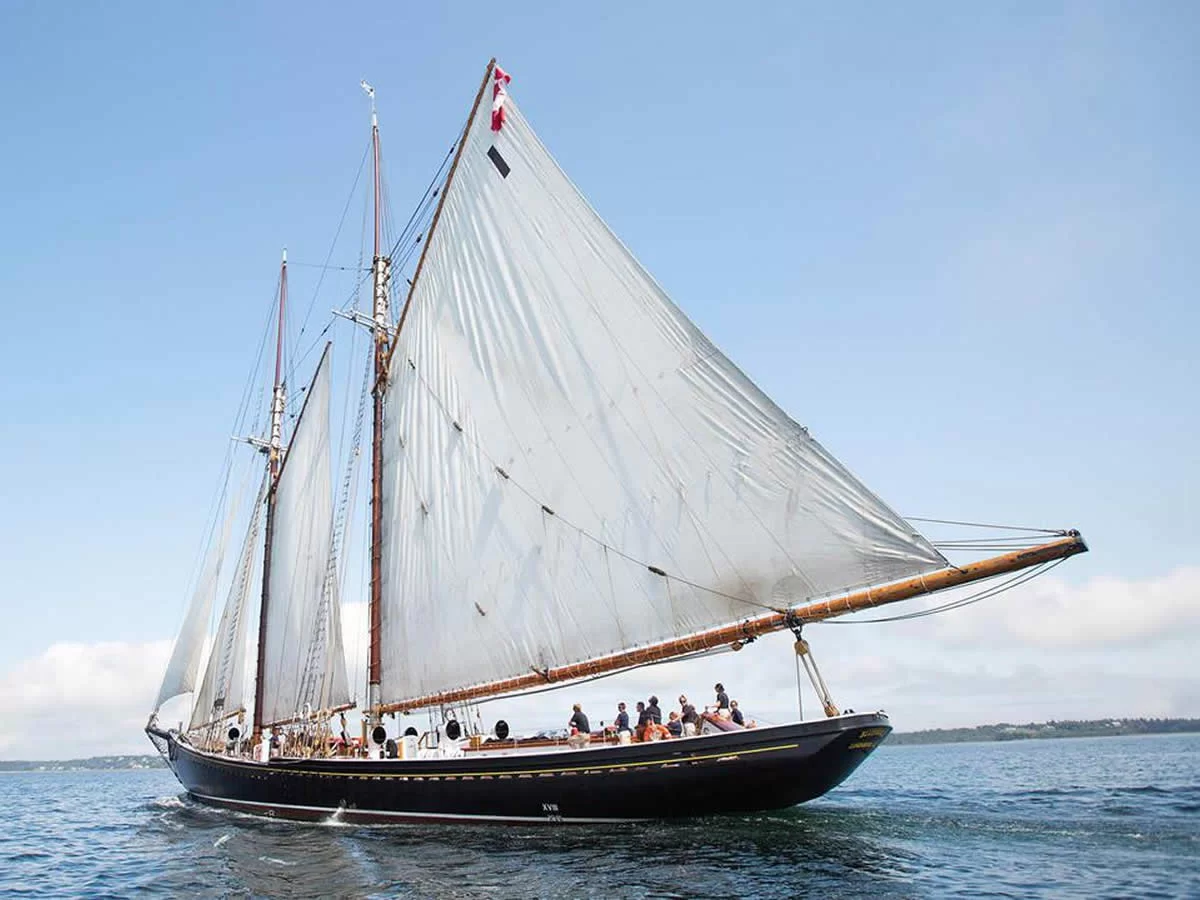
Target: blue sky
958,243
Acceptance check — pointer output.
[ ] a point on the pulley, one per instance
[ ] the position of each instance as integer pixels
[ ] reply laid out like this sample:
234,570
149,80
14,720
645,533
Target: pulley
804,657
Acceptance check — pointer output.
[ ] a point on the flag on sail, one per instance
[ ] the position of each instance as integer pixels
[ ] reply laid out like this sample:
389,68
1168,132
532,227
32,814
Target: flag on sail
499,95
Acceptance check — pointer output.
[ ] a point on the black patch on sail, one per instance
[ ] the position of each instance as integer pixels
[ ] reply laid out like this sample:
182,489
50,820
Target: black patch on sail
498,161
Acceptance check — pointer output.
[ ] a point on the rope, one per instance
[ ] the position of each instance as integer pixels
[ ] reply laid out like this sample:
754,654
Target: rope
333,244
985,525
1015,581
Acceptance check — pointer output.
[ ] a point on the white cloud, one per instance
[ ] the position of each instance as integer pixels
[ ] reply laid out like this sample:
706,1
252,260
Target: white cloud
1105,611
1047,650
76,700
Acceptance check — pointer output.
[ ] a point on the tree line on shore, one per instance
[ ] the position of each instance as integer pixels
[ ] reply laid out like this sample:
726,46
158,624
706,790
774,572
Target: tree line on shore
1005,731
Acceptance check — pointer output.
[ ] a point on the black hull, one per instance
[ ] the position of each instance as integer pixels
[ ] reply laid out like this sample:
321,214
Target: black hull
732,772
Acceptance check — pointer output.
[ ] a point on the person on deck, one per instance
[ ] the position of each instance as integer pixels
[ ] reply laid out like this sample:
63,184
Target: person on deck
688,716
655,712
579,721
622,723
675,725
722,700
644,720
735,714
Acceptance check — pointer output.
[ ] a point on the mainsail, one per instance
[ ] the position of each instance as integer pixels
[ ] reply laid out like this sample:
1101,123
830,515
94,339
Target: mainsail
299,561
571,468
222,690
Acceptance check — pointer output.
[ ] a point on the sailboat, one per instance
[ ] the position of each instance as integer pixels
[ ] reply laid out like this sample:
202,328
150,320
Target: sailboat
567,480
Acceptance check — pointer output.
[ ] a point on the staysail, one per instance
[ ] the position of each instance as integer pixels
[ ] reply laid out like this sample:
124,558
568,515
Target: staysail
189,645
570,467
299,561
222,690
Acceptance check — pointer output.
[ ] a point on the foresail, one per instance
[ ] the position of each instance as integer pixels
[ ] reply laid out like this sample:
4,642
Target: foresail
571,467
189,645
222,690
299,557
323,685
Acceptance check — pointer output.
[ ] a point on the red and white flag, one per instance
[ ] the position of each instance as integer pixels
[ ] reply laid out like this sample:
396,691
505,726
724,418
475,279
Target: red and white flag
498,97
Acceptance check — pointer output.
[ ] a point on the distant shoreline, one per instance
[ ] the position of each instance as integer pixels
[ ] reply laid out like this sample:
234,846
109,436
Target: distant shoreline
979,734
91,764
1005,731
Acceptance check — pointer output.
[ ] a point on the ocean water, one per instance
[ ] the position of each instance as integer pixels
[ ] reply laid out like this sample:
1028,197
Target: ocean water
1099,817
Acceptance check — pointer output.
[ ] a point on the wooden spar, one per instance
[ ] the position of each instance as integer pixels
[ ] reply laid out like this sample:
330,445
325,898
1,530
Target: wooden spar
385,347
381,315
437,213
749,629
273,453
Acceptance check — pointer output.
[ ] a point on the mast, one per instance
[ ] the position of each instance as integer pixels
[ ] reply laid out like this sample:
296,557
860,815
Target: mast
381,269
385,346
274,453
739,633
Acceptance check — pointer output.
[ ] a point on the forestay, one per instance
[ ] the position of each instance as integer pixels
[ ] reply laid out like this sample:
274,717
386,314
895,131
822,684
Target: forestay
556,426
222,690
299,560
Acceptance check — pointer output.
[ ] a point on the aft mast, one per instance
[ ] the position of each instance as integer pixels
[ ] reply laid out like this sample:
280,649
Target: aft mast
274,452
381,268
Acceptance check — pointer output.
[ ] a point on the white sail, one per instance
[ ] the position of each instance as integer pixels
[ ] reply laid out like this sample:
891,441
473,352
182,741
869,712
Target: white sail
189,645
556,426
300,547
222,690
323,684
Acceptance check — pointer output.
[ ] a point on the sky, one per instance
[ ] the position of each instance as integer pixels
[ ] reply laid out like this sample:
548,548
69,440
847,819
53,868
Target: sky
959,244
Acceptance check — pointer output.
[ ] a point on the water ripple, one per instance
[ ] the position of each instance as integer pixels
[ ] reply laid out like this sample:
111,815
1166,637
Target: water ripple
1067,818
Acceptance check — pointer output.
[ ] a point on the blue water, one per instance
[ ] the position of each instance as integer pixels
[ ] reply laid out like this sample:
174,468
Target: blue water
1101,817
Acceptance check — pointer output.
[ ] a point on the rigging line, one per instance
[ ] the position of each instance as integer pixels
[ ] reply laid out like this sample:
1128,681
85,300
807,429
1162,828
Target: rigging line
582,531
331,268
1056,531
436,179
1007,585
352,300
316,342
333,244
220,492
1017,540
252,380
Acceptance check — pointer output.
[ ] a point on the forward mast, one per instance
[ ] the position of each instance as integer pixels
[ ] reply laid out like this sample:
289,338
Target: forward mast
381,268
274,450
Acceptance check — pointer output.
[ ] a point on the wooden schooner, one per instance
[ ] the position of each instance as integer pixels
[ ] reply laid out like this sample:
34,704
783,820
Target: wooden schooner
568,479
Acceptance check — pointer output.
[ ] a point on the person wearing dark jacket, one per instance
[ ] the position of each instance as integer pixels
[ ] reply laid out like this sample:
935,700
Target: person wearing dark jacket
688,714
644,721
736,714
622,722
722,697
579,721
655,712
